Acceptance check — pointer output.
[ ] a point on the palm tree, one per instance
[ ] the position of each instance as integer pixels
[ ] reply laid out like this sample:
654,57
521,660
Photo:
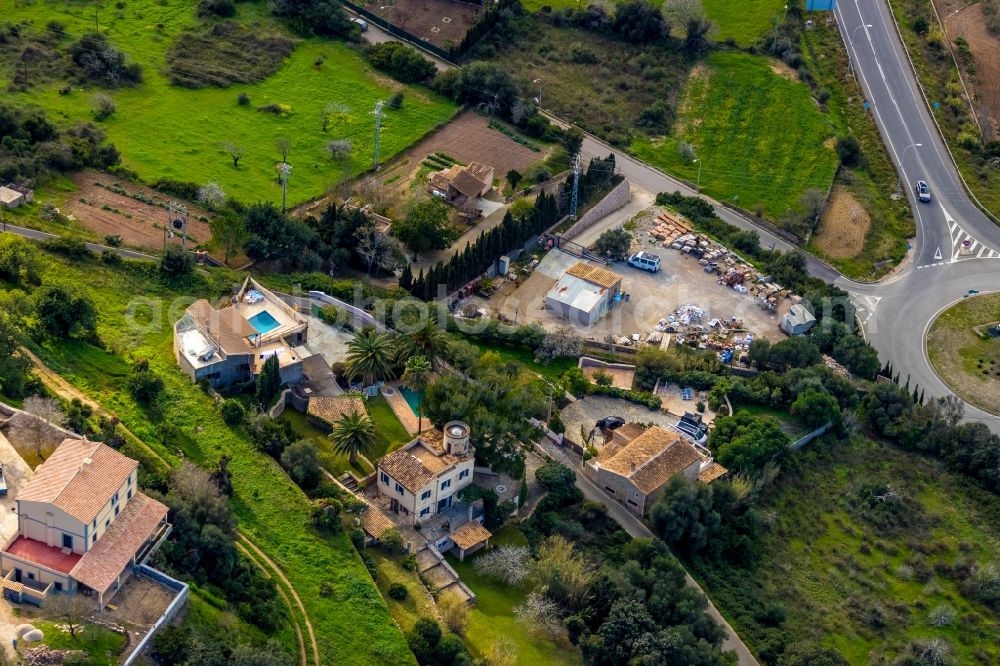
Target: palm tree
353,434
416,376
368,356
428,340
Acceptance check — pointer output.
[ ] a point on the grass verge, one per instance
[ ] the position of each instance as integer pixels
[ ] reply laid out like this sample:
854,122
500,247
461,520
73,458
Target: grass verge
743,23
101,645
963,353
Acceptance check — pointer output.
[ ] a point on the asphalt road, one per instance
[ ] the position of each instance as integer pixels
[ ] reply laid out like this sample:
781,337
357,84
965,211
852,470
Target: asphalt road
957,247
34,234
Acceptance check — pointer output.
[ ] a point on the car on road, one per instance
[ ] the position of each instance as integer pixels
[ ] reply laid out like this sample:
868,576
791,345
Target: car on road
923,191
363,24
646,261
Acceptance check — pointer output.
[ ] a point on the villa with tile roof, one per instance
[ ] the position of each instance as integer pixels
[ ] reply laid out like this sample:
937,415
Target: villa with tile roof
419,485
636,465
82,526
230,345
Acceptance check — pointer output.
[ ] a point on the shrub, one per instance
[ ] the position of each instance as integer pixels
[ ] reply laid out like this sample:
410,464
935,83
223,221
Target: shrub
398,592
396,101
233,412
113,240
104,106
223,8
176,263
72,248
144,384
602,378
98,61
391,541
849,151
243,99
401,62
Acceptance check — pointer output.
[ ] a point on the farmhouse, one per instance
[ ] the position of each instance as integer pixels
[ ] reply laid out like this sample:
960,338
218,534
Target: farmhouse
81,526
798,320
230,345
584,293
461,184
637,464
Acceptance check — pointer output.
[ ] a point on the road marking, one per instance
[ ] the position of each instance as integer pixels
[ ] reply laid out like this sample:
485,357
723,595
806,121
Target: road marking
963,244
937,253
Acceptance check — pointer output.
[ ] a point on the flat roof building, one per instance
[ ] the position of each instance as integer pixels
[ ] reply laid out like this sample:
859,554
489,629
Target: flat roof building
584,293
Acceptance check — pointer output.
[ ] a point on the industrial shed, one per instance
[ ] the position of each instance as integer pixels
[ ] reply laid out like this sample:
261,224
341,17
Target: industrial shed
584,293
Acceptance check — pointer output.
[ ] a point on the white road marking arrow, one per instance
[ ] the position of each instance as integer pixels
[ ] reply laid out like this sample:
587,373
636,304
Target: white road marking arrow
937,254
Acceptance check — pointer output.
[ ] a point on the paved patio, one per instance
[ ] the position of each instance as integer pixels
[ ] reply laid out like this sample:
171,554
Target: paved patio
402,408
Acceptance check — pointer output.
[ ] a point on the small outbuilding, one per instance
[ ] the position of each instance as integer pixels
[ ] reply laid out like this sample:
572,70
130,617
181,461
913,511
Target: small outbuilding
324,411
584,293
798,320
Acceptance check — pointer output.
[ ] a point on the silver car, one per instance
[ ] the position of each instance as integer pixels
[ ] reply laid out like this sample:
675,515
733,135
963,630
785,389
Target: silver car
923,191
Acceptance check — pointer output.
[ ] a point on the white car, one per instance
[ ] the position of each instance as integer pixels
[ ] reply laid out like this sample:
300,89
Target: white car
363,24
645,261
923,191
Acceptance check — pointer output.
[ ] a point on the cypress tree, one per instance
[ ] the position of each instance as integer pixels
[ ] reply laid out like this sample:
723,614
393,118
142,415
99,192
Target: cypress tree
406,279
268,382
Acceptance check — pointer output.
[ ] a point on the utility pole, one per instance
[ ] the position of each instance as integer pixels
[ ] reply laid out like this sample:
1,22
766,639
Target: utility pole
284,169
378,130
576,186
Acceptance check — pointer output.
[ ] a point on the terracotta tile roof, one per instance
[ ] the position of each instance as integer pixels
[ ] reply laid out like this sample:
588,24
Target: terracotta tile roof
99,567
483,172
712,472
415,464
375,523
628,432
227,327
469,535
43,554
652,459
602,277
331,408
468,184
79,477
439,181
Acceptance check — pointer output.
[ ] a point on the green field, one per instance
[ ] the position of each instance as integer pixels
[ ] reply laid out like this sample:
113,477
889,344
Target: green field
847,582
167,131
760,136
353,624
492,618
743,22
964,355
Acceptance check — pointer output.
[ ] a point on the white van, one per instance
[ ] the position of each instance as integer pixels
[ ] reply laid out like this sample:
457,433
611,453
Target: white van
645,261
363,24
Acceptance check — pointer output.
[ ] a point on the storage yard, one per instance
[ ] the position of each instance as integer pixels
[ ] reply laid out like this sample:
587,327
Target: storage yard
703,293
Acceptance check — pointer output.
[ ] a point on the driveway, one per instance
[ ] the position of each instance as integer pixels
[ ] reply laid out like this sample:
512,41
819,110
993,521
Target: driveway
638,530
587,411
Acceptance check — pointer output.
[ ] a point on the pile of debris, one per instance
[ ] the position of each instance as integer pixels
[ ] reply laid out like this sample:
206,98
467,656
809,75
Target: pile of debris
43,655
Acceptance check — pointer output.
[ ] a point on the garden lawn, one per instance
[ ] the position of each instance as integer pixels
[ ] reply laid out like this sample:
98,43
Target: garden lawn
736,111
418,602
551,371
846,583
352,625
492,617
101,645
389,434
744,22
962,352
168,131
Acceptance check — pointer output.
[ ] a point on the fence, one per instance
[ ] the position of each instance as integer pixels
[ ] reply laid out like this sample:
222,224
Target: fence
802,441
175,606
357,313
400,33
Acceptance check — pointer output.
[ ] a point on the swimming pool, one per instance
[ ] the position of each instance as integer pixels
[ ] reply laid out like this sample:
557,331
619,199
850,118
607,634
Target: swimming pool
264,322
412,398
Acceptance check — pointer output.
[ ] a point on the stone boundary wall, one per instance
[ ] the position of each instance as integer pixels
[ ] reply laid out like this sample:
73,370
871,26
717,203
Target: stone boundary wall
612,201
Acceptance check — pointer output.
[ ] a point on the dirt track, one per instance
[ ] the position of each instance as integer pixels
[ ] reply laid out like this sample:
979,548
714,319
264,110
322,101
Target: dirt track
965,20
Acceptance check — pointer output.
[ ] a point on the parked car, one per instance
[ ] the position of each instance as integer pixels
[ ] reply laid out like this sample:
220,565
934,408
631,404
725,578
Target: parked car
363,24
645,261
692,426
923,191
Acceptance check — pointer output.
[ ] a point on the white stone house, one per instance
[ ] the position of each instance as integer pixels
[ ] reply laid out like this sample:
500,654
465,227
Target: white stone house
82,525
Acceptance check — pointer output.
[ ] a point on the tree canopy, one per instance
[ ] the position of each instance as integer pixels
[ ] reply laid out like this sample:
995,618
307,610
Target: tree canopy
747,442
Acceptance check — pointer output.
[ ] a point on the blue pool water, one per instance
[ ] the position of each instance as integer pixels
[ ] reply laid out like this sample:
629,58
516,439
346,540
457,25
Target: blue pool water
412,398
264,322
